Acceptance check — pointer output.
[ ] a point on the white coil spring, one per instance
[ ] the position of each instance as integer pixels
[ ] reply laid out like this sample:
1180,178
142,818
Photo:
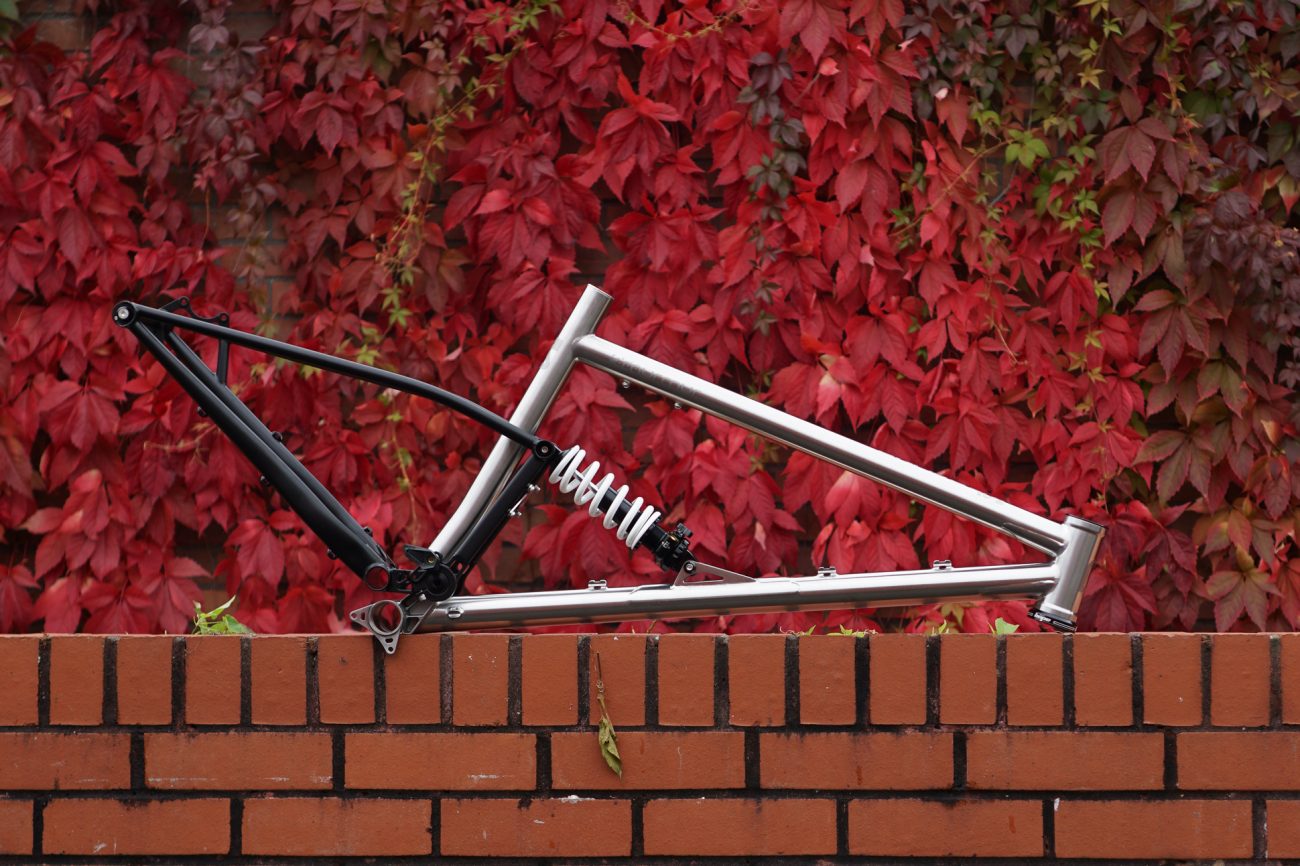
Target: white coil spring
569,478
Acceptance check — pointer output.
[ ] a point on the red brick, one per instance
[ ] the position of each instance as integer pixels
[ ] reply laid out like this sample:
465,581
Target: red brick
652,760
1064,760
550,679
212,680
564,827
686,679
1137,830
330,827
895,761
1035,691
442,762
76,680
721,828
898,679
946,828
1290,662
144,680
756,679
622,660
231,761
48,761
15,826
828,692
413,681
968,679
1103,680
1239,679
1283,822
279,680
1171,679
115,827
19,679
1254,761
345,671
480,679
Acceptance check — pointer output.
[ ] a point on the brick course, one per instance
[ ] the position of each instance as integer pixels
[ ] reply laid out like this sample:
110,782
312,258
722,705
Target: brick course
741,748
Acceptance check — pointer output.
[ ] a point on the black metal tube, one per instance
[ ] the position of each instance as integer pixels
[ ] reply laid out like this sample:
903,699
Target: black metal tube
357,550
255,425
310,358
489,524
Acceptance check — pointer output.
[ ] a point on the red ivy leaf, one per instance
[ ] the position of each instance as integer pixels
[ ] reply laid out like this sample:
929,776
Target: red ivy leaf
1128,146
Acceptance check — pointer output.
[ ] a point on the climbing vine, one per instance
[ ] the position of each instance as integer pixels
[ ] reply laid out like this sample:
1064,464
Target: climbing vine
1048,249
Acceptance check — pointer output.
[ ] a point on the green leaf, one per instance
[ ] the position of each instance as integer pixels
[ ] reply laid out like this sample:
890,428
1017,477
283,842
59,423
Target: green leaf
609,746
1001,626
217,621
230,625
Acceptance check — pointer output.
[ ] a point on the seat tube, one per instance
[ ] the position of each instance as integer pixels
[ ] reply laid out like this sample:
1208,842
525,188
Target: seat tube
532,408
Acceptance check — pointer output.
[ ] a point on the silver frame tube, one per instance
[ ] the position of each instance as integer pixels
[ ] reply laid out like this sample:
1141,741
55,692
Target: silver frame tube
532,408
598,603
1036,531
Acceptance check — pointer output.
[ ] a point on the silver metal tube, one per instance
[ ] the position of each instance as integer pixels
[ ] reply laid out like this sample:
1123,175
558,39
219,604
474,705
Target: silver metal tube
1073,565
528,415
717,597
1032,529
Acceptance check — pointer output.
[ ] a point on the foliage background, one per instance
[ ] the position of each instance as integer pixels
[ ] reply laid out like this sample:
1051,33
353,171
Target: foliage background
1047,248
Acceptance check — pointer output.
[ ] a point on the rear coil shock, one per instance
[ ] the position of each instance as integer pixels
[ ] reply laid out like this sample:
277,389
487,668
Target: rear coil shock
637,519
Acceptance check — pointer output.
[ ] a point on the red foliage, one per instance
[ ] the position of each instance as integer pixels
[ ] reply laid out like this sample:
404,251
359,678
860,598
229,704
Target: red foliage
1080,295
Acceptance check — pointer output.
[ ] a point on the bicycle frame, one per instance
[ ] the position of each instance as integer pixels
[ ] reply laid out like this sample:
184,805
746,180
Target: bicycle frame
699,589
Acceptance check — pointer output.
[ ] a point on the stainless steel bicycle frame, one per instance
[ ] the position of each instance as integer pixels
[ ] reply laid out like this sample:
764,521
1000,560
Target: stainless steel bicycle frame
704,590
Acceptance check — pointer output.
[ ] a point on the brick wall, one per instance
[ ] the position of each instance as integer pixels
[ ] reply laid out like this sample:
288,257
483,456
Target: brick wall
1131,748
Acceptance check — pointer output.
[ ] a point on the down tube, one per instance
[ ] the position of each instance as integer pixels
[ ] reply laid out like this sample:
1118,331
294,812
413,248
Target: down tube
1036,531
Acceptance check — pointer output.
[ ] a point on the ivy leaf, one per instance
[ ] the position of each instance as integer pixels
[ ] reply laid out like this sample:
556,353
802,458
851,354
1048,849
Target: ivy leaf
1127,208
76,235
1235,592
1174,471
813,21
1128,146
